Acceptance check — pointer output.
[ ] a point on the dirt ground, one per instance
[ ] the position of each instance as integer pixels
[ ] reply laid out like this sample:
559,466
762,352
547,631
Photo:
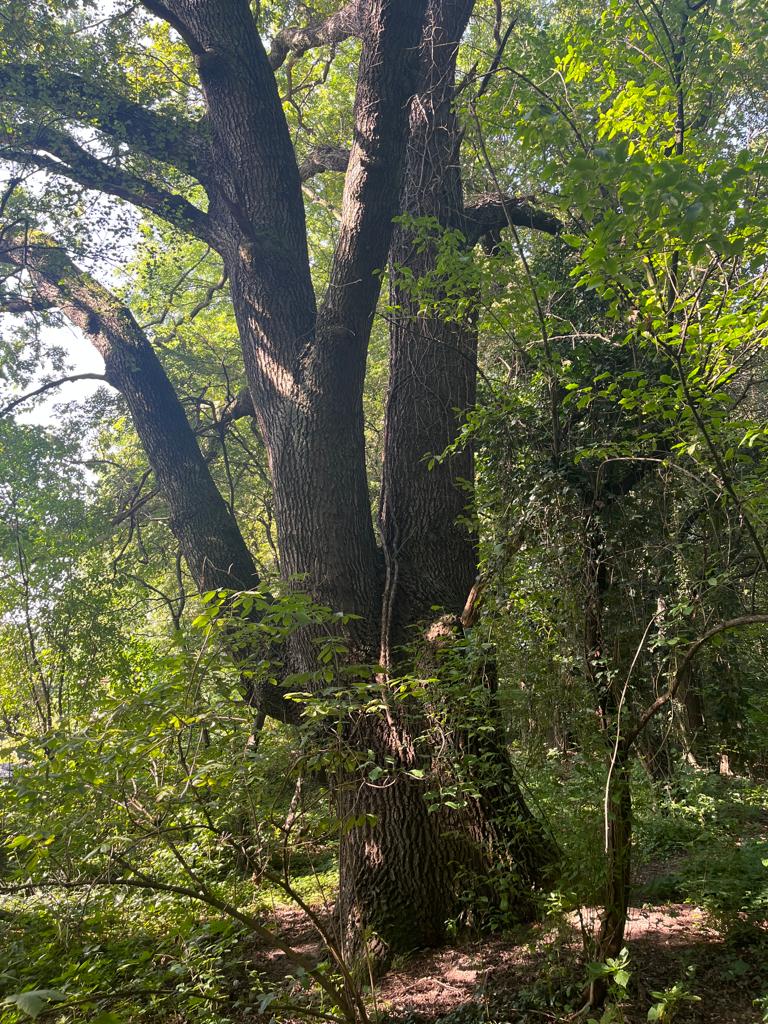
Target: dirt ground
530,976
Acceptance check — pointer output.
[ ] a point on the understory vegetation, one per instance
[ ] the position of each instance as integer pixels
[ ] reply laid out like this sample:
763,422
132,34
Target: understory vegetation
383,613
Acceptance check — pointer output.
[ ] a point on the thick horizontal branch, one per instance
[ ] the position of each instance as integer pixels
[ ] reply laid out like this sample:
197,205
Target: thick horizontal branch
484,215
488,215
165,137
344,24
76,163
323,158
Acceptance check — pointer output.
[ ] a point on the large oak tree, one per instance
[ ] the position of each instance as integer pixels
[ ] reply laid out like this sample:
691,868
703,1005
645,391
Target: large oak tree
232,179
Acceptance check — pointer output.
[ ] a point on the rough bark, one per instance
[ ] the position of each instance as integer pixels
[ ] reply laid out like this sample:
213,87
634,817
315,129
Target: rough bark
399,874
432,366
305,370
346,22
414,862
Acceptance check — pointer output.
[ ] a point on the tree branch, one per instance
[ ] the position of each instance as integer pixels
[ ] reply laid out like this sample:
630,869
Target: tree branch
209,535
76,163
165,137
19,304
207,532
49,386
487,215
240,407
691,651
165,13
386,82
323,158
295,41
138,880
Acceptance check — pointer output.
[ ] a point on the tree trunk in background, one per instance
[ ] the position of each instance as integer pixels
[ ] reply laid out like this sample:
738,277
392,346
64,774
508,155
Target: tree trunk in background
693,726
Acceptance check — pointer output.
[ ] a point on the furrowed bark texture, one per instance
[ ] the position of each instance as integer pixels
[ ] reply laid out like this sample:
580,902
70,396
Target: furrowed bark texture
403,877
305,369
431,556
399,875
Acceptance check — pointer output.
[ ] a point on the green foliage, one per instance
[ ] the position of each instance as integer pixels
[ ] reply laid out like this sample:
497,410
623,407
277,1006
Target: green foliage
163,831
613,972
621,507
668,1003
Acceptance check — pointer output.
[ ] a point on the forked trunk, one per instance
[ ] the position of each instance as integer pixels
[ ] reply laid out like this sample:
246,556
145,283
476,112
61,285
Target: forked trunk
402,873
401,868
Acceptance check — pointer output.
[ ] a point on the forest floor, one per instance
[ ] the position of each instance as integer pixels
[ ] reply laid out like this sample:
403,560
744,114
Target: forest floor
698,927
530,976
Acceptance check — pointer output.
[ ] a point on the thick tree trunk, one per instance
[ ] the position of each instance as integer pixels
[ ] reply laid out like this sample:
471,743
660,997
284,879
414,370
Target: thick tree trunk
433,365
396,883
401,876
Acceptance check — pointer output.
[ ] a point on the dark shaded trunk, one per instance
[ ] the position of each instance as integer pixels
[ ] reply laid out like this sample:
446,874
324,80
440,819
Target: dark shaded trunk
402,876
396,870
618,857
693,726
430,550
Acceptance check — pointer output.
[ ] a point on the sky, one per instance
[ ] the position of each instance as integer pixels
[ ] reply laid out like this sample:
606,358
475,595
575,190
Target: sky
84,359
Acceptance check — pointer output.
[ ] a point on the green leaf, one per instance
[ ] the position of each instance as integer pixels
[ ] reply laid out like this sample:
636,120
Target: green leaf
33,1002
622,978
